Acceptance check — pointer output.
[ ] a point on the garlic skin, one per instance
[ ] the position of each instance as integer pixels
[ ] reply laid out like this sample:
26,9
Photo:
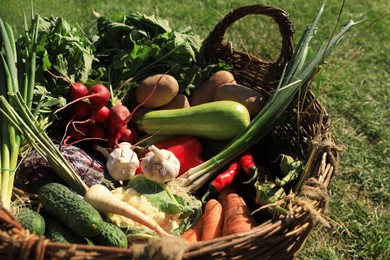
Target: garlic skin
160,165
122,162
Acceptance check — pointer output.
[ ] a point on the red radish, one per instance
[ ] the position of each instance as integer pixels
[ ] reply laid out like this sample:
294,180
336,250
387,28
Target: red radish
77,131
100,114
119,116
98,95
96,131
77,90
129,135
115,134
80,110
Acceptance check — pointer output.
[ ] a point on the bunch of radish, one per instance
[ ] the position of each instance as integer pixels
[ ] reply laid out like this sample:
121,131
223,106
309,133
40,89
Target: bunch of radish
92,118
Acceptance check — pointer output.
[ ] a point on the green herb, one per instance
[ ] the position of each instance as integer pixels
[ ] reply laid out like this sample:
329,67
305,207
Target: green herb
134,46
64,51
293,84
62,54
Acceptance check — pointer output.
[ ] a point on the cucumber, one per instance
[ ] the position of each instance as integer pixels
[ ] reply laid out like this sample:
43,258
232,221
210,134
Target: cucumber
71,209
58,232
111,235
31,220
218,120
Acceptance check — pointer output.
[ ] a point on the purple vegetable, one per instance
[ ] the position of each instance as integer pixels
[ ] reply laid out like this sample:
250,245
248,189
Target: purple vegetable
34,171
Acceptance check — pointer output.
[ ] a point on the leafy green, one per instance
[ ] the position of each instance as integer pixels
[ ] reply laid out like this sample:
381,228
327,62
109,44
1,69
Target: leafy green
162,197
137,233
156,193
134,46
62,54
65,51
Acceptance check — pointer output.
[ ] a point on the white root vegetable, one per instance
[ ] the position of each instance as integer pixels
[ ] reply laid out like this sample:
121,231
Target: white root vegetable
104,201
160,165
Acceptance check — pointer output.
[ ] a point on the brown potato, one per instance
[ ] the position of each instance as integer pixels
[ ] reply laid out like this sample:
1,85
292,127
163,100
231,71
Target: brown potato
179,101
251,99
205,93
157,90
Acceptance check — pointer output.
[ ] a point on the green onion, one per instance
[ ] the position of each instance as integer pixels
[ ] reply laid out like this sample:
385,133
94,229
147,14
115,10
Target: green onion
17,120
295,79
9,139
22,118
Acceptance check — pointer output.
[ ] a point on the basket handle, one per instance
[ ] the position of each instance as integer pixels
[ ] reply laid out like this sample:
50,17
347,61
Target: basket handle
286,29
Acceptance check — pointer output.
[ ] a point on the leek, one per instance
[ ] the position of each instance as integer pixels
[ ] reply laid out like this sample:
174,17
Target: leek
295,79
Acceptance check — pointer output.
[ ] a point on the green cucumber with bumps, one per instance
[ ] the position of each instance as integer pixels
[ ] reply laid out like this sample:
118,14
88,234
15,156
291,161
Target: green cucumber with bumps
31,220
71,209
111,235
218,120
58,232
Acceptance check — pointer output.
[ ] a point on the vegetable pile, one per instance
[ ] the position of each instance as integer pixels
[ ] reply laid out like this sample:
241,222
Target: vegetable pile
145,138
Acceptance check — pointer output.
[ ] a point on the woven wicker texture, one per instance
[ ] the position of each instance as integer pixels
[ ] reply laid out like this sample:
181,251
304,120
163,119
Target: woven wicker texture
306,129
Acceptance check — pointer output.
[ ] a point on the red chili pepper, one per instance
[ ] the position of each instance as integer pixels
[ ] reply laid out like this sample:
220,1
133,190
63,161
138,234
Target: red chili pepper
187,149
249,166
224,179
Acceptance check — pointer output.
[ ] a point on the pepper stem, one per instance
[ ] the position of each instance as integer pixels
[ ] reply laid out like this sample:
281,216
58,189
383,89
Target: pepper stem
253,172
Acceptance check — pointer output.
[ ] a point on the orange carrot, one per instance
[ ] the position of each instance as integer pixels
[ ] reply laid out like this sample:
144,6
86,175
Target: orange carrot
237,215
194,233
213,220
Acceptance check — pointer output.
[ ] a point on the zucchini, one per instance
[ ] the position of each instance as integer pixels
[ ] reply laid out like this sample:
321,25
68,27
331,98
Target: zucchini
111,235
218,120
31,220
71,209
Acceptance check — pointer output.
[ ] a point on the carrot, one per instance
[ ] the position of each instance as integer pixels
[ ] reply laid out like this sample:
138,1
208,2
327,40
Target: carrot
237,215
194,233
213,220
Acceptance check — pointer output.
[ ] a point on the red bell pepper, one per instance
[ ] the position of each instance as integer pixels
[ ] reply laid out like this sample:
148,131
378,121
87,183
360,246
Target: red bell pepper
187,149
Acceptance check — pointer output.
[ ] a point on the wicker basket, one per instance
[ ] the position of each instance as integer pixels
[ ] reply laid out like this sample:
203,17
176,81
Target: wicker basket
280,237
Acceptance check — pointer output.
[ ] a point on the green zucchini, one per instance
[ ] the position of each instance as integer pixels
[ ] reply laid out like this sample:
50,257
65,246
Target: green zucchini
31,220
71,209
111,235
218,120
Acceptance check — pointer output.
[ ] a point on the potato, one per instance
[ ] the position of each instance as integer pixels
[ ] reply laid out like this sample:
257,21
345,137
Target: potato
251,99
156,91
179,101
205,93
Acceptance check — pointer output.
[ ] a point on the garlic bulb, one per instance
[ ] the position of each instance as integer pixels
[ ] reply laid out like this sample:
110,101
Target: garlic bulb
160,165
122,162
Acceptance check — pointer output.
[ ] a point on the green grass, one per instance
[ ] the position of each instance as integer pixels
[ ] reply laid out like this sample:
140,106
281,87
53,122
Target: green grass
357,99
